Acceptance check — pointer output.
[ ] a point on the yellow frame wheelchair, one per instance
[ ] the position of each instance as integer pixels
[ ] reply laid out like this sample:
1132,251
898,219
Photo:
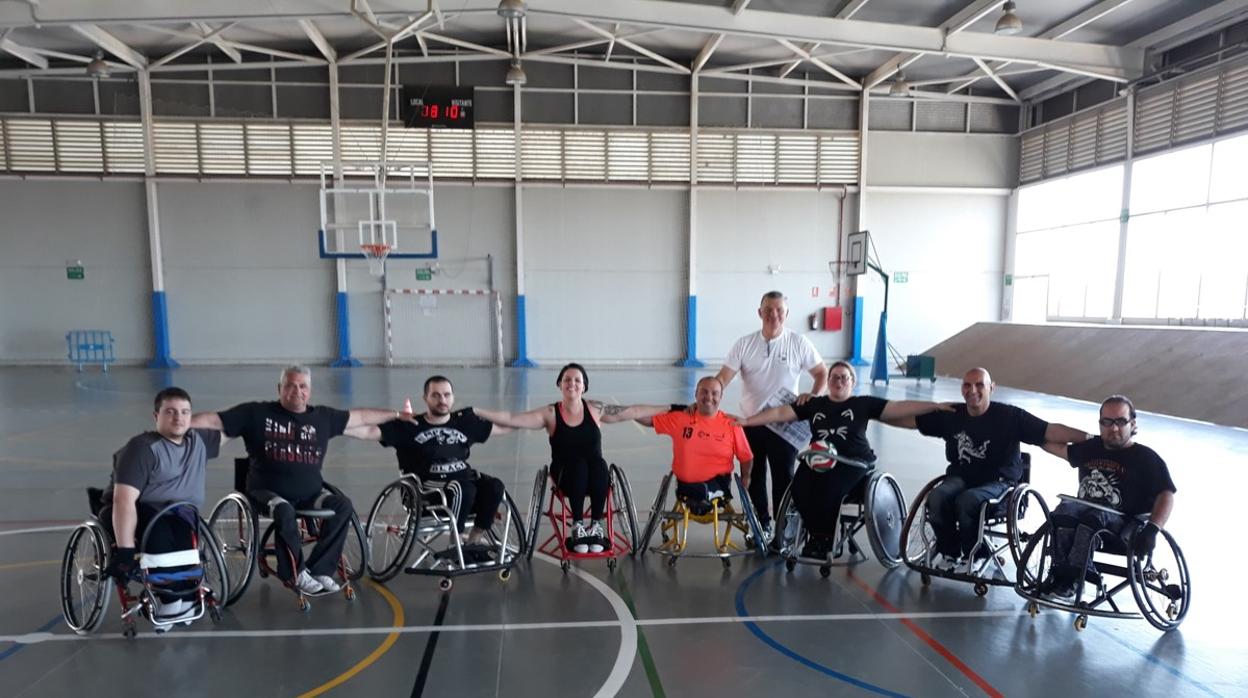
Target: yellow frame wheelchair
673,526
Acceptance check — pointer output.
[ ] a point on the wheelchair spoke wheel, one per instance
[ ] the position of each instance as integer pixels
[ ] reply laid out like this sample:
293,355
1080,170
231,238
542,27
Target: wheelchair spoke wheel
536,500
84,586
623,512
391,529
747,508
1034,566
918,538
355,550
885,514
234,527
656,514
509,530
788,523
216,572
1161,584
1027,513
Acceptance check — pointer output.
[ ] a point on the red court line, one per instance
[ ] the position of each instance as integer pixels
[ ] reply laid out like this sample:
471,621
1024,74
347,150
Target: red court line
928,639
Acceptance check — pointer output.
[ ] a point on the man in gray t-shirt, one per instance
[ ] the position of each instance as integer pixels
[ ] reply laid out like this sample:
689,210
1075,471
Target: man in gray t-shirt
153,470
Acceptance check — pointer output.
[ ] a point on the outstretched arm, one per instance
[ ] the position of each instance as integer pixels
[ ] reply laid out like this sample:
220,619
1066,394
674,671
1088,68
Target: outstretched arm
365,432
1057,449
902,409
906,422
609,414
539,418
210,420
1064,434
369,416
782,413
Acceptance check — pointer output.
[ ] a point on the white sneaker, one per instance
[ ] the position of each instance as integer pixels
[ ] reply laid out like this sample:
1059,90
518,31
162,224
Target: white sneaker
949,563
327,582
597,536
579,536
307,584
167,611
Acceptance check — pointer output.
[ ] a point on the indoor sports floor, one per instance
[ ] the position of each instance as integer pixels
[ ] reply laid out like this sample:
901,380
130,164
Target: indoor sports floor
643,630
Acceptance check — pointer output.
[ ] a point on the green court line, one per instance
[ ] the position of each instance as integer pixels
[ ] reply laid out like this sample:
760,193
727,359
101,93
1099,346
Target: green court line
643,648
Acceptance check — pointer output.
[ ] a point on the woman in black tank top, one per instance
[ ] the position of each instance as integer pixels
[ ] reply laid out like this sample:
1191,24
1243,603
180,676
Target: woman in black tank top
576,462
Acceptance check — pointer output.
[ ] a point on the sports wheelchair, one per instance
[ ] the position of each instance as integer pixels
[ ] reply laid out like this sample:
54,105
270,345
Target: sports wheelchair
1008,522
1159,581
673,525
622,530
875,503
411,513
235,522
85,587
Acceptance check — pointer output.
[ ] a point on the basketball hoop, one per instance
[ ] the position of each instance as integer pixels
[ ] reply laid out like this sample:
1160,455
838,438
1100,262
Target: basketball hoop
376,254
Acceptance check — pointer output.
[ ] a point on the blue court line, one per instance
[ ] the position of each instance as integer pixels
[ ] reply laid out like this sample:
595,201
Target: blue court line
1157,661
17,646
771,642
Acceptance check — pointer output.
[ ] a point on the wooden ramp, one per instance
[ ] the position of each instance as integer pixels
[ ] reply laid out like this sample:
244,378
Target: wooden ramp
1186,372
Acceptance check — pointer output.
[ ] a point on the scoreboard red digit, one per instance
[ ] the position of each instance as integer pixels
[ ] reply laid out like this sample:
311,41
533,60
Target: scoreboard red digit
433,106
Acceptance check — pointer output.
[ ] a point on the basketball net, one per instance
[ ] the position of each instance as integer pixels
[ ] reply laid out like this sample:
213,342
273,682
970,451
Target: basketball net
376,254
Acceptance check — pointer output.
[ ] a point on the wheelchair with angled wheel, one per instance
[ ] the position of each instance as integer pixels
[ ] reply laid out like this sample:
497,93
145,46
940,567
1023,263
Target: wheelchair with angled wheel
194,581
712,507
622,531
1159,579
420,518
874,503
236,522
1007,523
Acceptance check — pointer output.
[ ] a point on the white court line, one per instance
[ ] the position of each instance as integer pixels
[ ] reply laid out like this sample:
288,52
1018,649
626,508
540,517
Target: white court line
45,529
621,622
628,630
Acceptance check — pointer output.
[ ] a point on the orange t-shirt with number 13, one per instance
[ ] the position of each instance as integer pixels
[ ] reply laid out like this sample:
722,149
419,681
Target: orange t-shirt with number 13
702,447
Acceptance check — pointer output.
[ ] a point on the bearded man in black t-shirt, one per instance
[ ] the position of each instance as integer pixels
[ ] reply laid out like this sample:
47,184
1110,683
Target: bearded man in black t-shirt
436,445
1115,472
286,442
982,446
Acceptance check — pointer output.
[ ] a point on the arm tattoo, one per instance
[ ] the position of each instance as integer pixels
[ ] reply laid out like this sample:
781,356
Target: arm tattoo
611,410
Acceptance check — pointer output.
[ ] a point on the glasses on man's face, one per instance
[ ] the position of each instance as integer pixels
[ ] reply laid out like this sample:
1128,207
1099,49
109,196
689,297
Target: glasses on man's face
838,378
1115,422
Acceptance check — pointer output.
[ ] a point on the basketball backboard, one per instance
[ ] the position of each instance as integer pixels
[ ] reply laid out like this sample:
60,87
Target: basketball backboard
856,252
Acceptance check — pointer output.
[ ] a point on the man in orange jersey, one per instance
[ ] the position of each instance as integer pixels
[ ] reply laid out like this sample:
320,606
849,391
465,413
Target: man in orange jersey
704,443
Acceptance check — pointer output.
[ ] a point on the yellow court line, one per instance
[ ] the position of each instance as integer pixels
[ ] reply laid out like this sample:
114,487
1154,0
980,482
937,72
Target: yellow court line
397,609
21,565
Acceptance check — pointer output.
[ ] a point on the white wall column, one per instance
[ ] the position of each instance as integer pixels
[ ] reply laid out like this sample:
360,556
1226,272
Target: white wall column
522,348
1124,216
161,357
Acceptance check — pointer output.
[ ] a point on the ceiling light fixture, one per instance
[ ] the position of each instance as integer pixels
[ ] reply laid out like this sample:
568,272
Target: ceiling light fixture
899,88
512,9
515,74
98,67
1008,24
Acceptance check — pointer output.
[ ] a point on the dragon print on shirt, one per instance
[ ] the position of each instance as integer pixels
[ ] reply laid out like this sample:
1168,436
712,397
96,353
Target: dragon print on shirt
967,450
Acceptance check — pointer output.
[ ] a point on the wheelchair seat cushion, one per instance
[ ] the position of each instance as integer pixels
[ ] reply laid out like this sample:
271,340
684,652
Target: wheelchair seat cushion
315,513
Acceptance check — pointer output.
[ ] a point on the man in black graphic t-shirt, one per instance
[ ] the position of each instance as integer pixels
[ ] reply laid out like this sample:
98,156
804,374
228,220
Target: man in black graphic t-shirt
1115,472
982,447
286,442
435,446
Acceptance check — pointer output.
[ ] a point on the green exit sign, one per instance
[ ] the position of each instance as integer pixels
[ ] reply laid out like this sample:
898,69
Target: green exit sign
75,273
901,277
424,275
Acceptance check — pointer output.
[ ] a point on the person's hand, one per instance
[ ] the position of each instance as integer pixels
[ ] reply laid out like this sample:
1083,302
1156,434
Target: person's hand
739,421
804,398
122,564
678,407
1145,539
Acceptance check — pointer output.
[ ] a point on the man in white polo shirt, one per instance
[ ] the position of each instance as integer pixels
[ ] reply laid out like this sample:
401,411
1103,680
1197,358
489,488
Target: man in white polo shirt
770,363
